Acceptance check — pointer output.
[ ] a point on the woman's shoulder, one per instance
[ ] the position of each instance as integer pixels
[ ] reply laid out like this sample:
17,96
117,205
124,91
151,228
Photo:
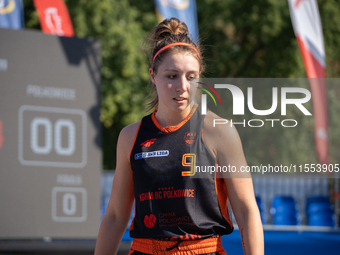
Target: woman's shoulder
127,136
129,131
219,132
217,125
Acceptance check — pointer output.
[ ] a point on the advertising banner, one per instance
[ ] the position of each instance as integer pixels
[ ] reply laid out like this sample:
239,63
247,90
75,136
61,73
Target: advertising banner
184,10
54,17
11,14
308,30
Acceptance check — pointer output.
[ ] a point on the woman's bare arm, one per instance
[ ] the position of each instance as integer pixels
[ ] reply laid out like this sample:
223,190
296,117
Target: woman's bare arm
117,215
225,144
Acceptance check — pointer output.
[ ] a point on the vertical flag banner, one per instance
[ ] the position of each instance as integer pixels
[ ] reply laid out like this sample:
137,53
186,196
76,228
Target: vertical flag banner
11,14
184,10
308,31
54,17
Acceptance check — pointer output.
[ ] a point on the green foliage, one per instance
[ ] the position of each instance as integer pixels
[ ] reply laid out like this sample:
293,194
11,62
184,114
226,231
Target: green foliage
330,19
30,15
256,39
124,69
241,39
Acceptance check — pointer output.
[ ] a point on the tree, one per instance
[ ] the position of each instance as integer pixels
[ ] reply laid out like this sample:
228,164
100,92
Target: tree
241,39
256,39
121,29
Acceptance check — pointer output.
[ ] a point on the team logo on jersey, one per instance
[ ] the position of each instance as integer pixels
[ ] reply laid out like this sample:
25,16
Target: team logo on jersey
190,138
151,154
149,220
148,142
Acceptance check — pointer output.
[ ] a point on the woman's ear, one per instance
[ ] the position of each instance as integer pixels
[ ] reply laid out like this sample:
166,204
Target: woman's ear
152,75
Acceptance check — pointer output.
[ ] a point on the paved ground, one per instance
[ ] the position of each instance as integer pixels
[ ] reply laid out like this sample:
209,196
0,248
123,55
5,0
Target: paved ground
55,247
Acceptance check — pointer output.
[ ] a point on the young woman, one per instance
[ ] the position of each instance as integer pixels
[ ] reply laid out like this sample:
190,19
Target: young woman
175,212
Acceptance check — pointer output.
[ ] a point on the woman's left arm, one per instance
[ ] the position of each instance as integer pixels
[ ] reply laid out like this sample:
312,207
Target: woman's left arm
225,143
242,200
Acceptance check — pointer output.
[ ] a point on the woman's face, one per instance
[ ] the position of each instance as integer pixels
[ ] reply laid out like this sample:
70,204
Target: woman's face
172,81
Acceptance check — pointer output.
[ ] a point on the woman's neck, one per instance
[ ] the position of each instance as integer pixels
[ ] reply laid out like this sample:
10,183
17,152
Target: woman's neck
167,118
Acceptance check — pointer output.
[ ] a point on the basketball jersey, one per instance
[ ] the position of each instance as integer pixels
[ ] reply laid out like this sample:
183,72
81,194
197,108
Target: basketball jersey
170,202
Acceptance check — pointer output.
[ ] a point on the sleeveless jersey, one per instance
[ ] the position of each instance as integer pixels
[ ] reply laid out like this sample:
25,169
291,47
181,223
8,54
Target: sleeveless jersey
170,203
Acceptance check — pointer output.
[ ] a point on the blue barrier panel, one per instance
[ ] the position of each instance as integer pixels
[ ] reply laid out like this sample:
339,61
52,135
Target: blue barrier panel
288,242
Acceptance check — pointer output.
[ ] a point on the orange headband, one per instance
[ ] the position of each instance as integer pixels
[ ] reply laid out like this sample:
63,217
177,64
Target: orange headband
175,44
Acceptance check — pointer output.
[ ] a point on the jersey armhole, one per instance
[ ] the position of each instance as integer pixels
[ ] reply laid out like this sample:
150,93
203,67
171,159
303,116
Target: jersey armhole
134,141
133,219
202,136
222,197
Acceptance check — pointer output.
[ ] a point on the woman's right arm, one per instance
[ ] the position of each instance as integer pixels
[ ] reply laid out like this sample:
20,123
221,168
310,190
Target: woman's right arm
117,214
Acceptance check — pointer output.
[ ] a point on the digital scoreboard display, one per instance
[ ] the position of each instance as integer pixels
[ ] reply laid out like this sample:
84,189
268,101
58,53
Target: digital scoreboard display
50,151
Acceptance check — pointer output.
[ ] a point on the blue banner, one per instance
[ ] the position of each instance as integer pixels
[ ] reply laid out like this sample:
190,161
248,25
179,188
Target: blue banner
11,14
184,10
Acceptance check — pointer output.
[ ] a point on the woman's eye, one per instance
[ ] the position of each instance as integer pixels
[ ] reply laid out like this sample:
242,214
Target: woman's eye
172,76
191,78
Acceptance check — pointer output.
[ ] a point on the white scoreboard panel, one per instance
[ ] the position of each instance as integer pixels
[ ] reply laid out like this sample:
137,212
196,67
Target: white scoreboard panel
50,151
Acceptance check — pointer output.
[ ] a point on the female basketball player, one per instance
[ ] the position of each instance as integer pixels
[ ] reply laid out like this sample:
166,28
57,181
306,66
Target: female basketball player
175,212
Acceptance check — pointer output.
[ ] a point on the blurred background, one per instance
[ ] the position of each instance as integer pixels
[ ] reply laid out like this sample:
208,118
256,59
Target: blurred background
240,39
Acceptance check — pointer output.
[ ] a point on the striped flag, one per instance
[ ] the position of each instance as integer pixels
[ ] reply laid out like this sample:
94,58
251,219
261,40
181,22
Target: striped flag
54,17
11,14
184,10
308,31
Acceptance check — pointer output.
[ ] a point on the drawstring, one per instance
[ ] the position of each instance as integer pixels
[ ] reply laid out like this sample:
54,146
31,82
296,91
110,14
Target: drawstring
175,246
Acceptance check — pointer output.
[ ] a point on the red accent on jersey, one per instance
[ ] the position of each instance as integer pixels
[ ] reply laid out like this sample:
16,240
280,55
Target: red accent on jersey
148,142
149,221
171,129
190,138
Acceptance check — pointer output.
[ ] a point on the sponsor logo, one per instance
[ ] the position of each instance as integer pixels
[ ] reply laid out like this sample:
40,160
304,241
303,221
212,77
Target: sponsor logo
171,219
53,21
190,138
151,154
7,9
149,220
166,193
148,142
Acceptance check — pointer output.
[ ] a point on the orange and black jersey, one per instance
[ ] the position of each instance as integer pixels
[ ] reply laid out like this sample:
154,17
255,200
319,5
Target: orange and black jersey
172,200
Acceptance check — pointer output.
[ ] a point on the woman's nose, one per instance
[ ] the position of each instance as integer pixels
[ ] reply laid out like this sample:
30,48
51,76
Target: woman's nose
182,84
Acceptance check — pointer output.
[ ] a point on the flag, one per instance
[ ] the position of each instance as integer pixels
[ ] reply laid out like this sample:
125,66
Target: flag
184,10
308,31
11,14
54,17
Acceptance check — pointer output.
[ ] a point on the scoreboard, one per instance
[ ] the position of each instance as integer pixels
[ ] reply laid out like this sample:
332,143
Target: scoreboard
50,151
